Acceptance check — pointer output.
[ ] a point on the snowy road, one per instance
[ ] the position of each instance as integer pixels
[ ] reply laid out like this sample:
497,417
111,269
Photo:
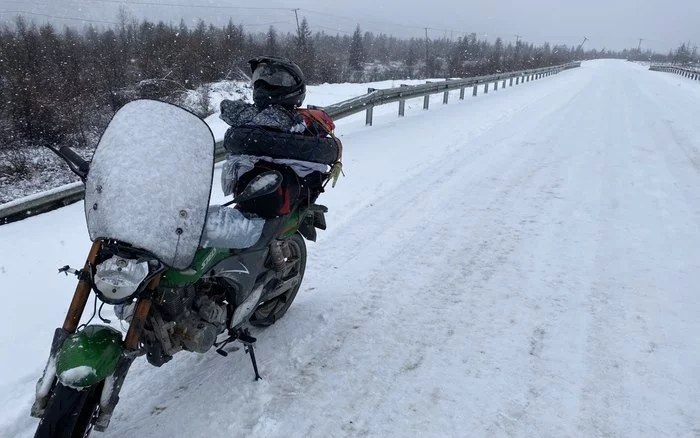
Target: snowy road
519,264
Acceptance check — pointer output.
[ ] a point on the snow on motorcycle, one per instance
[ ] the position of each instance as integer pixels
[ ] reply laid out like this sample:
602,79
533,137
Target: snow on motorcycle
183,274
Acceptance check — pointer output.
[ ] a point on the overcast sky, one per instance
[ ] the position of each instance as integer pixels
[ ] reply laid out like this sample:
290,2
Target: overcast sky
613,24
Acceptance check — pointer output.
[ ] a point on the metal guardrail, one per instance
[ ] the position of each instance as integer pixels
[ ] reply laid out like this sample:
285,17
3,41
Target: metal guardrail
68,194
401,94
685,72
41,202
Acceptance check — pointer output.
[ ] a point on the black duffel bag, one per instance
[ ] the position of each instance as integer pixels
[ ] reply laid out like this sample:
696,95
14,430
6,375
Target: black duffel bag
258,141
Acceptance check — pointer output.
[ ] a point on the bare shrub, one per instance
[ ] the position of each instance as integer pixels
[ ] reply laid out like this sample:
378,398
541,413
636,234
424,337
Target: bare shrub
15,165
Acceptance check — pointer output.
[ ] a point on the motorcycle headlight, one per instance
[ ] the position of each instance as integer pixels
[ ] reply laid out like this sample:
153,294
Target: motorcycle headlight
118,279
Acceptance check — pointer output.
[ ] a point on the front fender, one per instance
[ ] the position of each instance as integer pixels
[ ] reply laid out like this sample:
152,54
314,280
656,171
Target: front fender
87,357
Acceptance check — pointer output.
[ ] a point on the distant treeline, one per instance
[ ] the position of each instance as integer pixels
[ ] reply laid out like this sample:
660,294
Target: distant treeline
61,86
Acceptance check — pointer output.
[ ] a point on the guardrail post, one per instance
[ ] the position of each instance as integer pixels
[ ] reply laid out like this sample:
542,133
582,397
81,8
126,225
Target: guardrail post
511,82
486,88
495,86
517,80
402,103
445,97
461,93
476,90
504,83
368,116
426,99
370,110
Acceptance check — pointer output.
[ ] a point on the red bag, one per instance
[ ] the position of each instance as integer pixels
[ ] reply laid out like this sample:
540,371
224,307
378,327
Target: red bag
317,122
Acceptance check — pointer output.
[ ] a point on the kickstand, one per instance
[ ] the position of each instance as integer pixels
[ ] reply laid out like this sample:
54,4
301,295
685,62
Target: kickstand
248,342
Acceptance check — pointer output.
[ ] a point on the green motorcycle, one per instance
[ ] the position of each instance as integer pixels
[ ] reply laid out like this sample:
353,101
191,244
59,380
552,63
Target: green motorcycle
184,275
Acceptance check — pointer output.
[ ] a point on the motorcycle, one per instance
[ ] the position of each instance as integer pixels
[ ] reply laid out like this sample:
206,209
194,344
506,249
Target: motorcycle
184,275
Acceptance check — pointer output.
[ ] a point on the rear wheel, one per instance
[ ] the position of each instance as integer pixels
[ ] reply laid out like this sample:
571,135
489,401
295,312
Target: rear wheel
70,413
271,310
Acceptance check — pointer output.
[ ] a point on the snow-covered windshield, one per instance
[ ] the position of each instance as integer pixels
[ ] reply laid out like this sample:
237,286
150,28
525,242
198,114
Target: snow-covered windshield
150,181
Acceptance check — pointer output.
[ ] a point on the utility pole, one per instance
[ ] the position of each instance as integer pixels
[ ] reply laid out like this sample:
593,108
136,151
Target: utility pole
517,39
639,47
427,55
296,15
582,43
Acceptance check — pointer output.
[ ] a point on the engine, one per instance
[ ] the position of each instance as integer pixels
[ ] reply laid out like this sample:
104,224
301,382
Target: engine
185,319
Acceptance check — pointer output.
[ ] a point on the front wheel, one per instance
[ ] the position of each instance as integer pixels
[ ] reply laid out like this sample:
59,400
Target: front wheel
271,310
70,413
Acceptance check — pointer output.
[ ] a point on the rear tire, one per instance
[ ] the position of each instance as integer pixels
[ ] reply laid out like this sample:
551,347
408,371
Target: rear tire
269,312
70,413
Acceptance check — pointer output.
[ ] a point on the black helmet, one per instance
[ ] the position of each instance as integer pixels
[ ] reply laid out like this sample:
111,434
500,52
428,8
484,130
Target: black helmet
277,81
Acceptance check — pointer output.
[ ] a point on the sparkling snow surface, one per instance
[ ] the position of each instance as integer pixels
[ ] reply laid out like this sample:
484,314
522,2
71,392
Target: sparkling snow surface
524,263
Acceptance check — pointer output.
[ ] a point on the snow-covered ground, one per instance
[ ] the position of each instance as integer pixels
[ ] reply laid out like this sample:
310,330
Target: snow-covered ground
519,264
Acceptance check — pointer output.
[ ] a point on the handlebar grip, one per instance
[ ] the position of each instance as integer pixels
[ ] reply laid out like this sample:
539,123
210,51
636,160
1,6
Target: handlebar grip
70,155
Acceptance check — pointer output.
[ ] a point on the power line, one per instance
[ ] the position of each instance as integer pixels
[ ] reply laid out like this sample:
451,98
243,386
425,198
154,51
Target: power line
295,10
334,29
357,19
185,5
115,23
59,18
265,24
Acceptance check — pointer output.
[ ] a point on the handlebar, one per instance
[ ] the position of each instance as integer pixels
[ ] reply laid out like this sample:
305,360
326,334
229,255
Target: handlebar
77,164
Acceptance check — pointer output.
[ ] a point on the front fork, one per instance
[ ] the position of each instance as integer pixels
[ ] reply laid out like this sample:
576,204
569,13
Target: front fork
114,381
